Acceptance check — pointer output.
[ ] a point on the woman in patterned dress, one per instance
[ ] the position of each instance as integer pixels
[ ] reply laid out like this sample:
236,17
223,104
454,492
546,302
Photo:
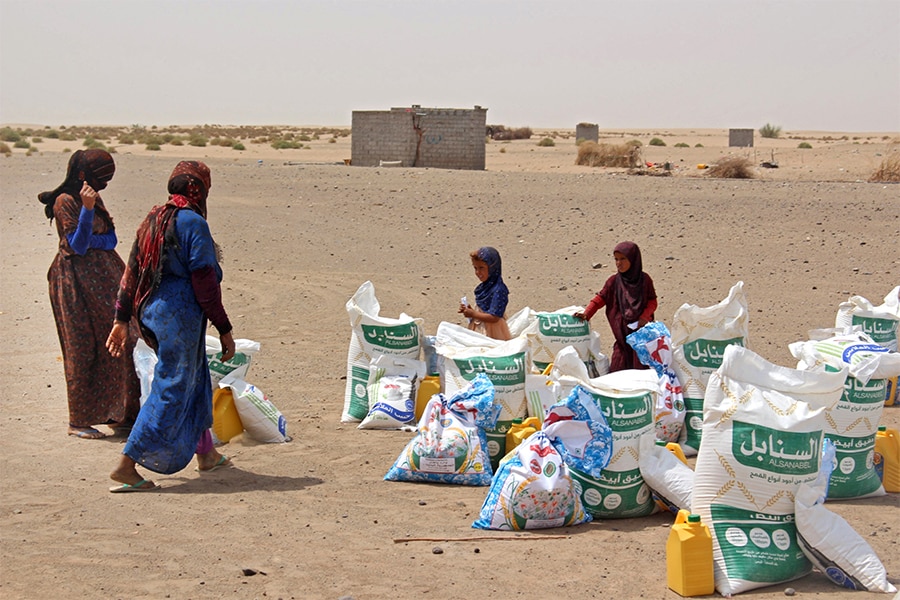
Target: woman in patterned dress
171,283
83,282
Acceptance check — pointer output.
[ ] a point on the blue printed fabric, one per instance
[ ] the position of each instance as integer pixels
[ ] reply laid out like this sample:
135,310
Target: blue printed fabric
580,432
653,345
451,445
533,487
179,406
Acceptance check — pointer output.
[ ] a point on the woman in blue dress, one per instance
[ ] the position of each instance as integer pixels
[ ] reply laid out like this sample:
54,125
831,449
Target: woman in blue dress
172,283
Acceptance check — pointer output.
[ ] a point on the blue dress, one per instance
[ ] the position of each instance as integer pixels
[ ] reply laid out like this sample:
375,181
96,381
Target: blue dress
179,407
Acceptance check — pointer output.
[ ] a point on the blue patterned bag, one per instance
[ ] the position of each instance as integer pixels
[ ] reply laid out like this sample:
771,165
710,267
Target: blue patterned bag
533,488
451,444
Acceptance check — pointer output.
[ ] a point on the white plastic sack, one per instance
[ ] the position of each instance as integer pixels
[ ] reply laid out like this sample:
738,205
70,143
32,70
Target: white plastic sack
763,428
671,481
550,332
829,541
464,354
699,338
261,420
239,364
627,399
145,360
393,384
853,422
371,336
881,323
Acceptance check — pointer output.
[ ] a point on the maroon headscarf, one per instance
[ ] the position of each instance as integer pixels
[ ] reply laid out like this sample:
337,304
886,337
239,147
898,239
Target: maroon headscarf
96,166
629,286
188,187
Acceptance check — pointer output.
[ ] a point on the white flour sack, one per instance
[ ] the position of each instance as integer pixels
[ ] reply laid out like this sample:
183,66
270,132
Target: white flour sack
671,481
371,336
465,354
699,338
393,384
831,543
626,399
550,332
239,364
543,391
853,422
261,419
881,323
763,429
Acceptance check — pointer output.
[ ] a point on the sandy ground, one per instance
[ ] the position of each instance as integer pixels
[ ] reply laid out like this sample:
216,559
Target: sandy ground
300,232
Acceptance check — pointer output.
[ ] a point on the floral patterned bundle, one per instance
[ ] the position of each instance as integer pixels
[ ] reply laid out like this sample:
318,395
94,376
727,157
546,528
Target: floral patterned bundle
451,444
653,345
533,488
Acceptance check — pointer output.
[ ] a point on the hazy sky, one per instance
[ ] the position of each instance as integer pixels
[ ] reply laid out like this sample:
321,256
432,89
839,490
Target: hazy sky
802,65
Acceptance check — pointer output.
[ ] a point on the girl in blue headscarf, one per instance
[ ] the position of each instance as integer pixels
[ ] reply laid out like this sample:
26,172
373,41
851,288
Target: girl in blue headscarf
488,317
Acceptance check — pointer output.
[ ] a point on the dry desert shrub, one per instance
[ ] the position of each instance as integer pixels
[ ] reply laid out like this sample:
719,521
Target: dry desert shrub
734,167
888,171
592,154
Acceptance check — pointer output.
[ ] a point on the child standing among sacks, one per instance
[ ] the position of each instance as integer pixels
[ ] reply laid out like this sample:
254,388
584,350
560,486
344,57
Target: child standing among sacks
491,296
630,301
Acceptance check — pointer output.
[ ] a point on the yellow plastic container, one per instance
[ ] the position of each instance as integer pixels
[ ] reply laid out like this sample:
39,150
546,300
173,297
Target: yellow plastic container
430,386
887,458
675,449
226,420
519,431
689,557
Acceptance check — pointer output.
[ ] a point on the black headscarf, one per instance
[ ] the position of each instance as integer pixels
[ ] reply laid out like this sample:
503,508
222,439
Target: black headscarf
95,166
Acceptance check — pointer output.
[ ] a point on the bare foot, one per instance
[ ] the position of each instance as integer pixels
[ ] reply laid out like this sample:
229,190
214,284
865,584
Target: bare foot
87,433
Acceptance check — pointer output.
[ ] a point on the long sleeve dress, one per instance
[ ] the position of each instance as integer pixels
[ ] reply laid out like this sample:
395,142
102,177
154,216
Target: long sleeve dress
83,282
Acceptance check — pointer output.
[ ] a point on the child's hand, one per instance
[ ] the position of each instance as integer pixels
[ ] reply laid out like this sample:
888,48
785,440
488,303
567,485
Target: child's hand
462,309
88,196
579,315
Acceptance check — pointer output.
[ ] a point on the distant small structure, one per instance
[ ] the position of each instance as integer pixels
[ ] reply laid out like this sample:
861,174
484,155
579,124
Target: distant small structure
443,138
740,138
588,132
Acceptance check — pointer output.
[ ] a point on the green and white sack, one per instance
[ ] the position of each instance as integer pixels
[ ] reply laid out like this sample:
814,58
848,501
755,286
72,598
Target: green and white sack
262,421
853,422
881,323
627,400
699,338
763,429
552,331
467,353
372,335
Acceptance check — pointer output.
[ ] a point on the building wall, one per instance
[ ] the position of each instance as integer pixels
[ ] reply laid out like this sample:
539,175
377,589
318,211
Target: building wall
446,138
589,132
741,138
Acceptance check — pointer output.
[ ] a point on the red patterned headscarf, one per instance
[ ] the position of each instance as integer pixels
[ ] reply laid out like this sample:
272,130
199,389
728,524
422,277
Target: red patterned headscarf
188,188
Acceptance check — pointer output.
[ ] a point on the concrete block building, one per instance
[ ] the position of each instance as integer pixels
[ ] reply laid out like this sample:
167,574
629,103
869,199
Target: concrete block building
415,136
740,138
589,132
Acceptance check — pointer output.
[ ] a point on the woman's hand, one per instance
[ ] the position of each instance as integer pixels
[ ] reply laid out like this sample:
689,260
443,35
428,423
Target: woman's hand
579,315
227,341
115,343
88,196
462,309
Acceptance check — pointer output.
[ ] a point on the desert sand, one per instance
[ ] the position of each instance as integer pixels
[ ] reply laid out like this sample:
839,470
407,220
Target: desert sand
300,232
